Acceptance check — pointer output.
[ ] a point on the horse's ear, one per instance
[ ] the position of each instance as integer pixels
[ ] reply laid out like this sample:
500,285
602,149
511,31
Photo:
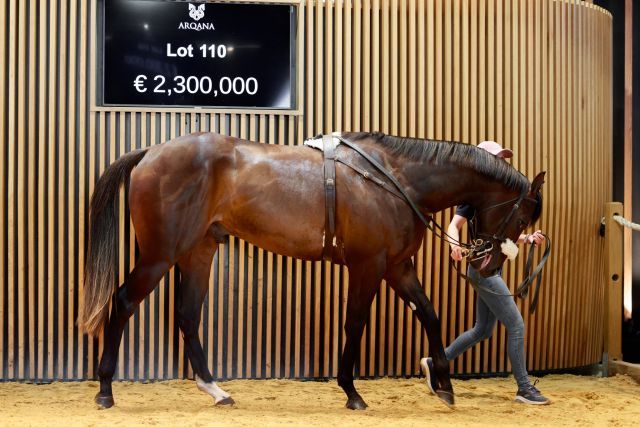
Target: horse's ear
537,183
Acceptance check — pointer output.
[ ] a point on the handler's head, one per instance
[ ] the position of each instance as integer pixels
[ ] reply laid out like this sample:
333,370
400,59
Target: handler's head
496,149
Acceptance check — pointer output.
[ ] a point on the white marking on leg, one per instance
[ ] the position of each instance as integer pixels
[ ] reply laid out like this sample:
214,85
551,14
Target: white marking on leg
412,305
211,389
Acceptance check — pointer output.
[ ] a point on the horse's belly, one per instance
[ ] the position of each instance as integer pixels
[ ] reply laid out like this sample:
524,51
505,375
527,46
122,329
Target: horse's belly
287,222
279,234
275,200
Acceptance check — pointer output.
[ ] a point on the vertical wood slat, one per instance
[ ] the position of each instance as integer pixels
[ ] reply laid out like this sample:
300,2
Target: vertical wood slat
49,135
542,129
41,282
71,189
3,148
21,180
62,155
562,107
6,125
576,184
401,66
11,72
31,361
548,136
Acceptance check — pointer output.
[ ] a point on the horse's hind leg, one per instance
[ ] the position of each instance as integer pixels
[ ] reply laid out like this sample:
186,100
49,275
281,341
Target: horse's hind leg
403,279
364,281
140,282
195,268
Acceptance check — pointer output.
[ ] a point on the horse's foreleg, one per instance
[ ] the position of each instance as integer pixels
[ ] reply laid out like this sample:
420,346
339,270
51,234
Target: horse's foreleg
141,281
364,281
404,281
194,270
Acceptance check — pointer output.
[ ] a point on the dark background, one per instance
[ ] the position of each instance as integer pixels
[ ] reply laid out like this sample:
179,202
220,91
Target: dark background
262,37
631,329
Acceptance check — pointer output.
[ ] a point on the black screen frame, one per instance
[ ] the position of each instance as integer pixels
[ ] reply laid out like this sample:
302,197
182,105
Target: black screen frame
295,55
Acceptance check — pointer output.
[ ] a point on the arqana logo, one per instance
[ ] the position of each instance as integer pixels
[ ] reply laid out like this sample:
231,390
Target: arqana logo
196,13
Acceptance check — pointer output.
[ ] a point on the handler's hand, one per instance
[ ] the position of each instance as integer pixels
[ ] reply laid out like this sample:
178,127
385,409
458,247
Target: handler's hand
456,253
536,237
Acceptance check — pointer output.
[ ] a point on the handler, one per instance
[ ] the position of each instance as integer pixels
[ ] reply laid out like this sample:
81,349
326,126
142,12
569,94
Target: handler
491,307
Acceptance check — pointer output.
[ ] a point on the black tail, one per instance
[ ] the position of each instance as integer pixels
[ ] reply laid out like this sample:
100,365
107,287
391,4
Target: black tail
99,272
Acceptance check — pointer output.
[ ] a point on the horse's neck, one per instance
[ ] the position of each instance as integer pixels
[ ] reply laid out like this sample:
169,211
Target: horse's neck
437,187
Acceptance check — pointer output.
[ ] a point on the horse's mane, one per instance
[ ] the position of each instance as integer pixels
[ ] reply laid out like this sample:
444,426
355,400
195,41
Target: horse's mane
439,152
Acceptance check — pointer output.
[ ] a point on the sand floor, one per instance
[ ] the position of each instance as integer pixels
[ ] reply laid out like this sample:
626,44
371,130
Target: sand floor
576,400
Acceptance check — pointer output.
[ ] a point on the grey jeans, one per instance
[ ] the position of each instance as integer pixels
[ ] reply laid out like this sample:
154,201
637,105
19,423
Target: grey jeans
489,308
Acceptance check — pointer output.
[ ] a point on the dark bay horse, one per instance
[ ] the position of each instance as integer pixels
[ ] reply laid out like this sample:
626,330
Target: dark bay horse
189,194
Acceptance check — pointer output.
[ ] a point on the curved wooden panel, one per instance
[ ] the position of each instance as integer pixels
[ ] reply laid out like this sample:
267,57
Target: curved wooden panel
535,76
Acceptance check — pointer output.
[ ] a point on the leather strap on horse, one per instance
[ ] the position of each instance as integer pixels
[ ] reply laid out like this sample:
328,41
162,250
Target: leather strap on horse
369,176
328,150
391,178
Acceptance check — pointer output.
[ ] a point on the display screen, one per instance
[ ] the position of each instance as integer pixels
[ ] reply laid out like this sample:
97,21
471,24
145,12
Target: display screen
177,53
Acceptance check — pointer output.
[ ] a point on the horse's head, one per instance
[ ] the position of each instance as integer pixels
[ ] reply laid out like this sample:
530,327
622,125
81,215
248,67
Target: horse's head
500,222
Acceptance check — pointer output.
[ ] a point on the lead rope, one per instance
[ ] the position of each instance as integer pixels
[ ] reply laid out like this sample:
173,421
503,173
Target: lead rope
522,290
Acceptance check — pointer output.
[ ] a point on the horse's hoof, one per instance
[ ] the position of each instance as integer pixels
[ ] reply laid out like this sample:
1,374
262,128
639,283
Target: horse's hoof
104,401
356,403
446,397
227,401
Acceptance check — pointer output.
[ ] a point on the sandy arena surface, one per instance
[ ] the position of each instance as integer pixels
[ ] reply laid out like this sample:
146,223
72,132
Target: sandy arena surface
576,400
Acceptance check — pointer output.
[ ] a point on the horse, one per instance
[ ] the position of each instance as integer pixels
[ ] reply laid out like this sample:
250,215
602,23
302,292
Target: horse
189,194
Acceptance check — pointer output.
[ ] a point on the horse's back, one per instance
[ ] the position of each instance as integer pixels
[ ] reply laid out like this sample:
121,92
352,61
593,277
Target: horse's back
269,195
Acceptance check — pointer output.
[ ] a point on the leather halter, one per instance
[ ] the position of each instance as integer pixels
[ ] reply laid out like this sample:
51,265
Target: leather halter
429,222
505,221
482,247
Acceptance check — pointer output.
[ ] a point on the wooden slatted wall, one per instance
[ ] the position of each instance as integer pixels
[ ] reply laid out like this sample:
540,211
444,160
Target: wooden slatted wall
533,75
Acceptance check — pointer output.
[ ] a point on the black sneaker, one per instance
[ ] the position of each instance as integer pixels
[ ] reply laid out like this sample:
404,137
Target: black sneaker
427,369
531,395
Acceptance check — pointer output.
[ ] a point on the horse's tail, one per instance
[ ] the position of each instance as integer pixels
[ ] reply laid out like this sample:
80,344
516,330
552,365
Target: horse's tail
99,272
